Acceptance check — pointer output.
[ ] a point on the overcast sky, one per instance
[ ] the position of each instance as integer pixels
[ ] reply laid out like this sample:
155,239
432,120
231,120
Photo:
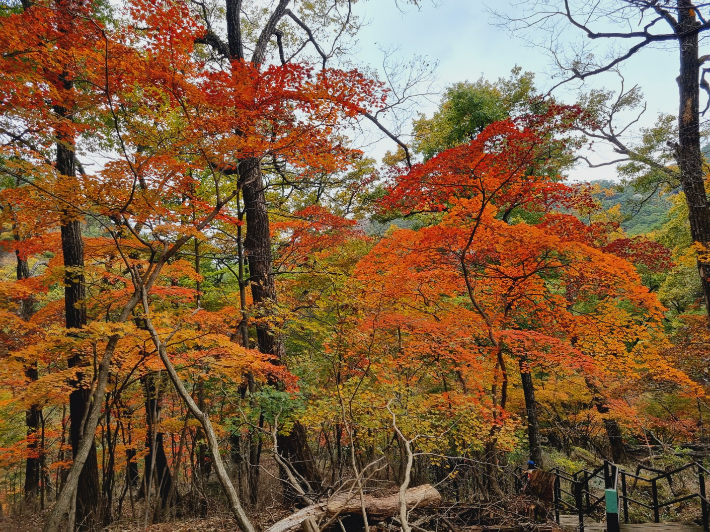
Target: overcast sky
465,41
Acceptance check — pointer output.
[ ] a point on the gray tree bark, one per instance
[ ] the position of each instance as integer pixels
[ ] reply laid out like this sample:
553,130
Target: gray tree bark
688,152
88,492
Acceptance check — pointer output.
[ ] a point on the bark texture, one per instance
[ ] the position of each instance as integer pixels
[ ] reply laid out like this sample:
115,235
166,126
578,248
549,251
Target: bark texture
257,248
350,503
688,153
257,241
531,413
33,413
157,471
88,490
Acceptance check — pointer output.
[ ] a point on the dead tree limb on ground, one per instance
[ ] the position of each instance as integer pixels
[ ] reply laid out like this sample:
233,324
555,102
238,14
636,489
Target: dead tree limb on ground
349,503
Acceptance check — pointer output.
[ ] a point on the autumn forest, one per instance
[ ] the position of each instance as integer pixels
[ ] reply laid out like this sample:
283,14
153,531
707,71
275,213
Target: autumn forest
250,282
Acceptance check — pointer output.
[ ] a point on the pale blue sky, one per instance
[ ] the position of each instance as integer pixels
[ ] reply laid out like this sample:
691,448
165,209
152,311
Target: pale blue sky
461,36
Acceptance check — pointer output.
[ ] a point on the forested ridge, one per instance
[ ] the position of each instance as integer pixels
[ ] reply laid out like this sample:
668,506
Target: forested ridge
220,311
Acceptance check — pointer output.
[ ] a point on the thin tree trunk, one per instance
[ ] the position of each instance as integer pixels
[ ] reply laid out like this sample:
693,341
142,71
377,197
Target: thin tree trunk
531,412
173,494
109,482
613,433
204,419
253,466
203,464
132,474
33,470
156,456
244,322
33,414
616,440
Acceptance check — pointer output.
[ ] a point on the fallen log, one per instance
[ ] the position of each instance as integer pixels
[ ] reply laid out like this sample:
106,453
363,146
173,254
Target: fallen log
495,528
350,503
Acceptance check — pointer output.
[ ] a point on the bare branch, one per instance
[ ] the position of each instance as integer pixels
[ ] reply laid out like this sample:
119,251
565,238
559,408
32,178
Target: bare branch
308,31
279,40
392,136
600,165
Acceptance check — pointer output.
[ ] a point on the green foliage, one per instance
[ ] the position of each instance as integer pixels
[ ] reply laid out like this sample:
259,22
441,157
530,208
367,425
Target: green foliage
681,289
10,7
652,162
467,108
641,212
273,404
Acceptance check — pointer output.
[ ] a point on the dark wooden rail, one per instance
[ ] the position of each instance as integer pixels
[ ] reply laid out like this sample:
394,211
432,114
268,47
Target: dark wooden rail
616,499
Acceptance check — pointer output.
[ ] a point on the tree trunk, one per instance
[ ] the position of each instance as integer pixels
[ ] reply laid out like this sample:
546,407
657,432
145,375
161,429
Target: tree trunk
253,467
294,449
33,470
132,474
204,466
616,440
613,433
109,470
156,450
257,246
33,414
531,412
88,493
257,242
688,153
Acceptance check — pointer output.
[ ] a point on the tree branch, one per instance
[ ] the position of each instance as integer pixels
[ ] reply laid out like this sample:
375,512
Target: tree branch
392,136
212,39
308,31
259,54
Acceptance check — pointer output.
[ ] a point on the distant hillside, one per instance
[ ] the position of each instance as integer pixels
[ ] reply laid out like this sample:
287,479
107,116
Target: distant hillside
641,216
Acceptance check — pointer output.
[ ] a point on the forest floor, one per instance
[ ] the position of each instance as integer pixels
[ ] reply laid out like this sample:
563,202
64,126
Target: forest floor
223,522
